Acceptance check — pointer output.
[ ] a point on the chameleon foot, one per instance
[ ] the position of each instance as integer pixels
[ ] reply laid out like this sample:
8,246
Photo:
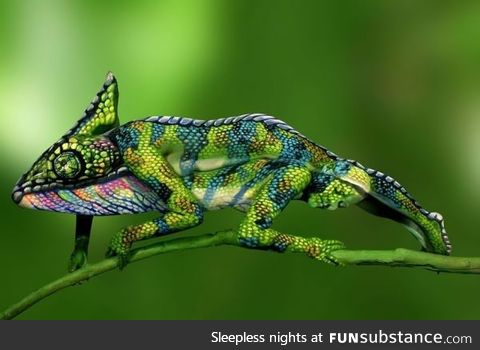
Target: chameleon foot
78,259
124,258
119,248
322,250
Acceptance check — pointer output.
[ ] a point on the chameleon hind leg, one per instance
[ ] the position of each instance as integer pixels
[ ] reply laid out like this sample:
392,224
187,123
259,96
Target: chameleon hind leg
286,184
337,185
337,194
183,210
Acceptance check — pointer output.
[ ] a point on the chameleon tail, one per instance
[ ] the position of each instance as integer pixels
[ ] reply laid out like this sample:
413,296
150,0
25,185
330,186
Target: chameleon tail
387,198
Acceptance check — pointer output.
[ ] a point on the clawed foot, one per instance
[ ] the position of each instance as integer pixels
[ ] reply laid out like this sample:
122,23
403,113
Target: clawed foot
322,250
78,259
120,251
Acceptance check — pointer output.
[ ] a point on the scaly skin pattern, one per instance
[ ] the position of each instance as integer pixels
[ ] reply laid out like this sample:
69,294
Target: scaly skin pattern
182,167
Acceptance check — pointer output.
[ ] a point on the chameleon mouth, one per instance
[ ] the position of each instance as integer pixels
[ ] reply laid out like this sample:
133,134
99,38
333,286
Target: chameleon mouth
31,187
23,188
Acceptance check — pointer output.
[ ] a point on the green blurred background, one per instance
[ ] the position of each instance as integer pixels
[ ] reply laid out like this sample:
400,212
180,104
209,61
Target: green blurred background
393,84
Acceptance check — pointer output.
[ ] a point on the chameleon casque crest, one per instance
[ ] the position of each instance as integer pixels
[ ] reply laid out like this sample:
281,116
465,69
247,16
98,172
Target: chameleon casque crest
182,167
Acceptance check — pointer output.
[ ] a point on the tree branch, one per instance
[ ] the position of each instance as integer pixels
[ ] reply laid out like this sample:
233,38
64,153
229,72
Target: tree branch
394,258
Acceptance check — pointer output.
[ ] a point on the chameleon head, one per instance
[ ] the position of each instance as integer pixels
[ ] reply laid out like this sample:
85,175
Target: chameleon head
68,164
81,157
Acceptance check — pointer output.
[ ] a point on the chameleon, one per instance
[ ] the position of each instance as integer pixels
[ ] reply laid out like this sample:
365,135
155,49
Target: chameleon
182,167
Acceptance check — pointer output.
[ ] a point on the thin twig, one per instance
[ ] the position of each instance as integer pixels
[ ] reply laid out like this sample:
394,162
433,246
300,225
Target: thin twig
394,258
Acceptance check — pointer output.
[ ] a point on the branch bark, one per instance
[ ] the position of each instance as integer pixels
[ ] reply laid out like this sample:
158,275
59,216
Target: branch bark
394,258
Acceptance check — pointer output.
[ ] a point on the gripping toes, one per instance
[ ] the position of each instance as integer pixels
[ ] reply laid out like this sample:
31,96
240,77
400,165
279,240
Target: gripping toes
322,250
78,259
119,246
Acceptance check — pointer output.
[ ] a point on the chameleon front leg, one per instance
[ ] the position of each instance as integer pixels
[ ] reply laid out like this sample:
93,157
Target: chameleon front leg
188,215
255,232
83,227
183,210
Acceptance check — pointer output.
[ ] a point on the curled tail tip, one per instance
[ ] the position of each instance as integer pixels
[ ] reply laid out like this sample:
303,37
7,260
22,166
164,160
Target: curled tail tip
441,222
392,194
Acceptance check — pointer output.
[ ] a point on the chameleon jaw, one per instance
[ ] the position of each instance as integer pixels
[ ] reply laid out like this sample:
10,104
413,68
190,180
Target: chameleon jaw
113,195
20,190
23,188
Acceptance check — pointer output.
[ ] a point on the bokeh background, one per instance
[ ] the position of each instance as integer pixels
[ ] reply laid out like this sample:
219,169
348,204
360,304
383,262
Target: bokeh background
393,84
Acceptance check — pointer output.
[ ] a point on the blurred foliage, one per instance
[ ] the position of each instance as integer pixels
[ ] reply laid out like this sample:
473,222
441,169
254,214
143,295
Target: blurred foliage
392,84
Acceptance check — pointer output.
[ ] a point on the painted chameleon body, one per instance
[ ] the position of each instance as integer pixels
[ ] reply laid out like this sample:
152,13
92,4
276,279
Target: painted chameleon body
182,167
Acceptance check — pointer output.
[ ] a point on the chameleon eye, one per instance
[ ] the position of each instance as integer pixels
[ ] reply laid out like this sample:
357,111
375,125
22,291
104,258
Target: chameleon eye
67,165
